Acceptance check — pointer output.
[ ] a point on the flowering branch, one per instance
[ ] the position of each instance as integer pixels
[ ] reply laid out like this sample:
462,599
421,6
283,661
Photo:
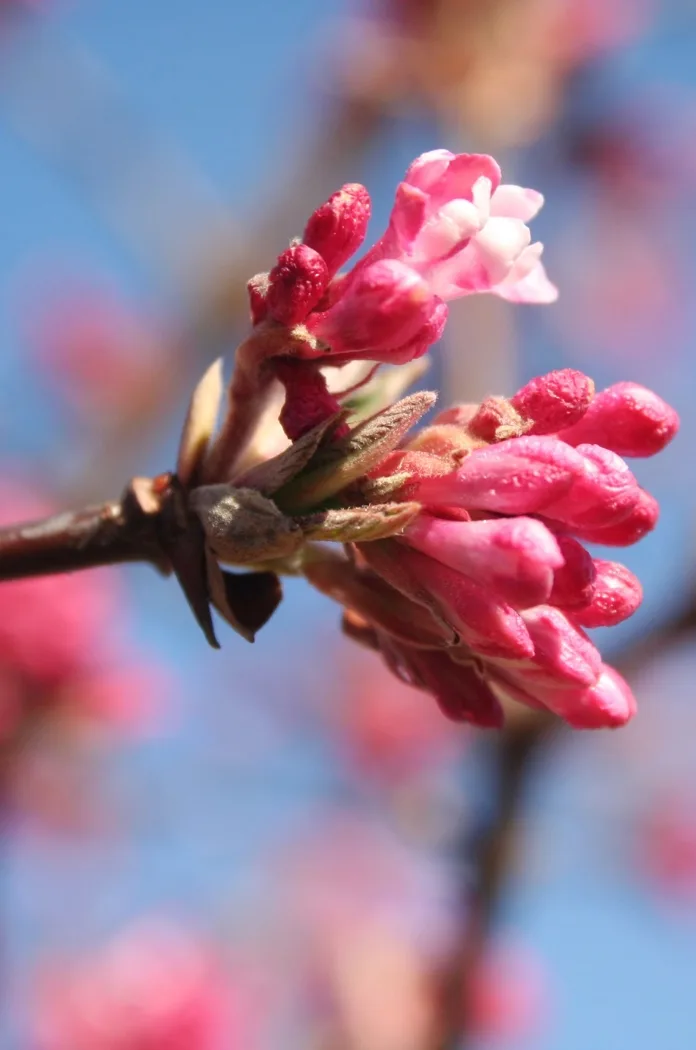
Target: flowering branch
463,561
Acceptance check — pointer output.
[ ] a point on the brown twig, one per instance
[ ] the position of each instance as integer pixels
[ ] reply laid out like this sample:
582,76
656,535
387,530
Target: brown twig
106,534
483,868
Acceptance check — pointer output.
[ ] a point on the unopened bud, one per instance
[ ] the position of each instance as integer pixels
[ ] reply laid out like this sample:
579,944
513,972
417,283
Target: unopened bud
574,581
628,419
553,401
337,228
308,401
617,595
296,284
641,520
542,406
242,527
384,307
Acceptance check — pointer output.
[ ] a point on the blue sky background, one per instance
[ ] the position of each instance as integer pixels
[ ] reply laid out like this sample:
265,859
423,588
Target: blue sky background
232,83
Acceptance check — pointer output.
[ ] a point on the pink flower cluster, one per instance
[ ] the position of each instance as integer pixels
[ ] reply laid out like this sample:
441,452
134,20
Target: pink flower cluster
153,988
454,230
509,491
482,592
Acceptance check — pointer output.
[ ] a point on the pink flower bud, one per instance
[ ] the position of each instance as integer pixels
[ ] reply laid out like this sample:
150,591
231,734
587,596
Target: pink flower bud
296,284
641,520
308,401
337,228
386,306
560,648
515,557
426,337
617,595
607,704
460,691
604,493
519,476
555,400
627,418
543,406
486,623
574,582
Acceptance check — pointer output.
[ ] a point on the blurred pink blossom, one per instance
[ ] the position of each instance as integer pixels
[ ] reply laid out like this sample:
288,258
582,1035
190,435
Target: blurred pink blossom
60,651
154,987
103,355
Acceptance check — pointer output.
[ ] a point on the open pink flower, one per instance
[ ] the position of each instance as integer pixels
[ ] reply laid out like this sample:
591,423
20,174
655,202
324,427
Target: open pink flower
457,226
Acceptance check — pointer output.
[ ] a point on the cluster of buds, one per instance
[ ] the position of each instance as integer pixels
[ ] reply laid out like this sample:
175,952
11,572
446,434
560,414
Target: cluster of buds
463,561
454,230
484,594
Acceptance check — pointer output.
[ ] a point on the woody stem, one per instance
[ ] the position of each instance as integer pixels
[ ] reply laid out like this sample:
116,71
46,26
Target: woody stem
106,534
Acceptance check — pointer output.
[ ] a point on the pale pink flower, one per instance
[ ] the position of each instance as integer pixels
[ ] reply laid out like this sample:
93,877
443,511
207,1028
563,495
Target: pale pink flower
454,230
457,226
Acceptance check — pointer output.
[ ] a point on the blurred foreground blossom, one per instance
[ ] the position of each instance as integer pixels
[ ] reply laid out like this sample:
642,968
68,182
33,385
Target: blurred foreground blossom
65,672
385,729
496,71
154,987
369,915
59,653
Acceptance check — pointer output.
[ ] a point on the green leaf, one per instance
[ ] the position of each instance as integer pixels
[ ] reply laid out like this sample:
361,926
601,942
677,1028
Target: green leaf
355,455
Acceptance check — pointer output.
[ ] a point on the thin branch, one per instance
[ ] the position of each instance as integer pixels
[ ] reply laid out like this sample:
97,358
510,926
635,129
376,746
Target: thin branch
106,534
483,868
